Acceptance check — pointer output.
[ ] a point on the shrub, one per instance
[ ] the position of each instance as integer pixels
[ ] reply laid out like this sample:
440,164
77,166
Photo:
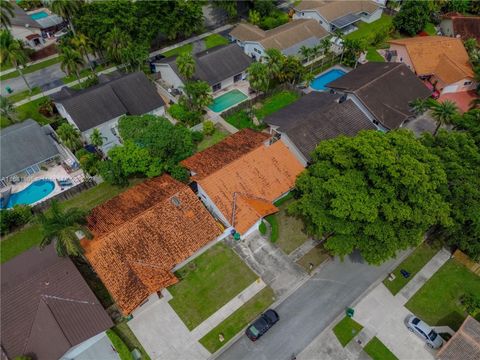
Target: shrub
208,127
471,303
197,136
13,218
88,161
179,173
273,221
262,228
186,117
274,20
90,81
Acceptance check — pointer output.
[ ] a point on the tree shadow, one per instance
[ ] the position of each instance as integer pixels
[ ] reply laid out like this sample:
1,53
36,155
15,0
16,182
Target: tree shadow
454,320
356,257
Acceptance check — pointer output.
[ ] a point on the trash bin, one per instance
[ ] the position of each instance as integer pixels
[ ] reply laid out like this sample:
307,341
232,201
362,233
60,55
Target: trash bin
9,89
236,236
350,312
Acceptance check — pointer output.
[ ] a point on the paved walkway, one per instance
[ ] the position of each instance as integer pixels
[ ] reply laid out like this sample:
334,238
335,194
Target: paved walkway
217,119
423,275
228,309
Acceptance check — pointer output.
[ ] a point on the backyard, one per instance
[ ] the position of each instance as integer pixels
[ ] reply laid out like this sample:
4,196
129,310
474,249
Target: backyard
413,264
438,301
367,32
209,42
209,140
238,320
216,277
346,330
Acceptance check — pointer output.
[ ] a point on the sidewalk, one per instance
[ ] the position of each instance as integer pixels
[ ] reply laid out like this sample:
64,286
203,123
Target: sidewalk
8,71
228,309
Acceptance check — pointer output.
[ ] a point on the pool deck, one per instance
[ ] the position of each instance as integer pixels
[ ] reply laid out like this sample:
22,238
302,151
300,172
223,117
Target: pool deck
334,67
242,86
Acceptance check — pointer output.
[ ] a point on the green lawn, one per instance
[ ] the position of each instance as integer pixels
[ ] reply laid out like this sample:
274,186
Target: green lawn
413,264
207,283
240,120
374,56
378,351
16,97
119,345
129,338
30,111
71,78
438,301
346,330
316,256
290,232
238,320
179,50
31,235
274,231
430,29
367,31
210,140
275,103
31,68
215,40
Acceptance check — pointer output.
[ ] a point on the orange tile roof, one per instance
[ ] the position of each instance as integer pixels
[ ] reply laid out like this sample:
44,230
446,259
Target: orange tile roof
230,149
244,189
440,55
141,234
462,99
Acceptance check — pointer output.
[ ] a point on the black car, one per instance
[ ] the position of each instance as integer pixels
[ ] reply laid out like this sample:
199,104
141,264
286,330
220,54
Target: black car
262,324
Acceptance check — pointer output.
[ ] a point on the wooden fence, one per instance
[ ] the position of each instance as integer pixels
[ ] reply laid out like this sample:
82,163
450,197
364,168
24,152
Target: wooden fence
465,260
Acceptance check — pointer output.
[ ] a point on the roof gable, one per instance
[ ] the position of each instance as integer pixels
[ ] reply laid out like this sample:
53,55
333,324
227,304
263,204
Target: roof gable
331,10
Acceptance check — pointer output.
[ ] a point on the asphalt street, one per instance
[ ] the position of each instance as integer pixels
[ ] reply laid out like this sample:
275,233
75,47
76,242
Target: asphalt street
310,309
47,78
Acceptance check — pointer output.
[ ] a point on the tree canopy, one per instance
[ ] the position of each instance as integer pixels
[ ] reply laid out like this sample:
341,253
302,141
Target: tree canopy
376,192
412,17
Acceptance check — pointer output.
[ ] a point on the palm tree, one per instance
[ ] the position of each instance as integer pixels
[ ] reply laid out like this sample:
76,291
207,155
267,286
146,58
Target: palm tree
96,138
419,106
70,136
66,9
305,53
316,50
443,112
6,13
325,46
7,110
71,61
308,78
253,17
12,51
186,65
341,37
83,45
258,76
61,226
115,41
275,61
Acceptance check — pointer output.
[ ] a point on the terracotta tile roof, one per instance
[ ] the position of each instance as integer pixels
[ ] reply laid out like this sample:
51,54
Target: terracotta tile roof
465,344
140,235
465,26
223,153
332,10
462,99
440,55
245,189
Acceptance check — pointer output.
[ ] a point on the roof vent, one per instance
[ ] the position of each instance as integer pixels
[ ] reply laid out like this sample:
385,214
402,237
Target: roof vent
342,99
176,201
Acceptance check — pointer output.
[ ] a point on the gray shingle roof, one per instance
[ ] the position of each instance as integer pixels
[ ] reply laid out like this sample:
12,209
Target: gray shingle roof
131,94
216,64
23,145
386,90
316,117
47,307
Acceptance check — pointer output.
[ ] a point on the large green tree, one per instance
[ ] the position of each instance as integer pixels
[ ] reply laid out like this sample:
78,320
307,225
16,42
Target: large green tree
460,157
13,52
66,9
134,160
6,13
197,95
83,45
376,192
70,136
412,17
258,76
7,110
186,64
470,122
443,112
115,42
71,61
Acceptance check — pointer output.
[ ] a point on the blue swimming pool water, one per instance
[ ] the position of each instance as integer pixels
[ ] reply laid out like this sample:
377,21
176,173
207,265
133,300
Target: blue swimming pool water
39,15
226,100
320,81
32,193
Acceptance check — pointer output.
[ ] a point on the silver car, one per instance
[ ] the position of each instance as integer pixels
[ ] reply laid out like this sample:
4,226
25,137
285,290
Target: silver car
424,331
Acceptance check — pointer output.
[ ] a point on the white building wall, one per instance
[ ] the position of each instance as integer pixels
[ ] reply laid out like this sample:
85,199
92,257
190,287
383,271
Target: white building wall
252,229
110,140
446,26
373,16
293,149
402,56
77,350
168,75
312,14
210,205
460,86
249,48
21,32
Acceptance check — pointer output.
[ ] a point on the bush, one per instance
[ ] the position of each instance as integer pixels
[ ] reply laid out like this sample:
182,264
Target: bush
88,161
197,136
274,20
262,228
471,303
208,127
90,81
273,221
13,218
179,173
186,117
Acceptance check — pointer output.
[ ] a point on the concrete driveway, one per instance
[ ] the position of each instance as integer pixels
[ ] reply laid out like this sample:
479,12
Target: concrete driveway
274,267
311,308
383,315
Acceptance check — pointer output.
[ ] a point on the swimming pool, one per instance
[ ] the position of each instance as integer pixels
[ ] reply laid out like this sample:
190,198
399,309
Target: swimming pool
227,100
32,193
320,81
39,15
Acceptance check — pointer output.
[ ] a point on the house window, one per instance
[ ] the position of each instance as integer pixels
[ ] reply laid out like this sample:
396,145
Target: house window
257,51
32,169
217,87
467,83
237,78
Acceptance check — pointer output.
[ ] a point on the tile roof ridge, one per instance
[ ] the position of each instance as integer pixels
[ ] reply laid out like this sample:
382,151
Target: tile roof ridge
27,338
246,196
456,64
379,77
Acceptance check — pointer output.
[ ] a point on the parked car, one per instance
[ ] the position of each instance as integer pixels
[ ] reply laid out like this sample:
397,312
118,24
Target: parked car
419,327
262,324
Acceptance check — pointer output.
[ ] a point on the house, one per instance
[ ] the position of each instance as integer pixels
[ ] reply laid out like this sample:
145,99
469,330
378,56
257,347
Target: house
220,67
316,117
288,38
383,91
27,148
49,312
241,177
464,344
34,27
439,60
462,26
338,15
101,106
140,235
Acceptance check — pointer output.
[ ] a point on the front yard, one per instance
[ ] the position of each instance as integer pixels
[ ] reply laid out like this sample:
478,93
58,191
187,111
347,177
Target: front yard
413,264
207,283
378,351
346,330
314,257
438,301
238,320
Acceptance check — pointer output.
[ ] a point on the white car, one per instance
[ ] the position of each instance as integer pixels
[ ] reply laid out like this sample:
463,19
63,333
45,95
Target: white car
424,331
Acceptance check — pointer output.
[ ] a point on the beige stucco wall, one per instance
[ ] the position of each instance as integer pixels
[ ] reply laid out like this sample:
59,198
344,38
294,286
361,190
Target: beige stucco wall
402,55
